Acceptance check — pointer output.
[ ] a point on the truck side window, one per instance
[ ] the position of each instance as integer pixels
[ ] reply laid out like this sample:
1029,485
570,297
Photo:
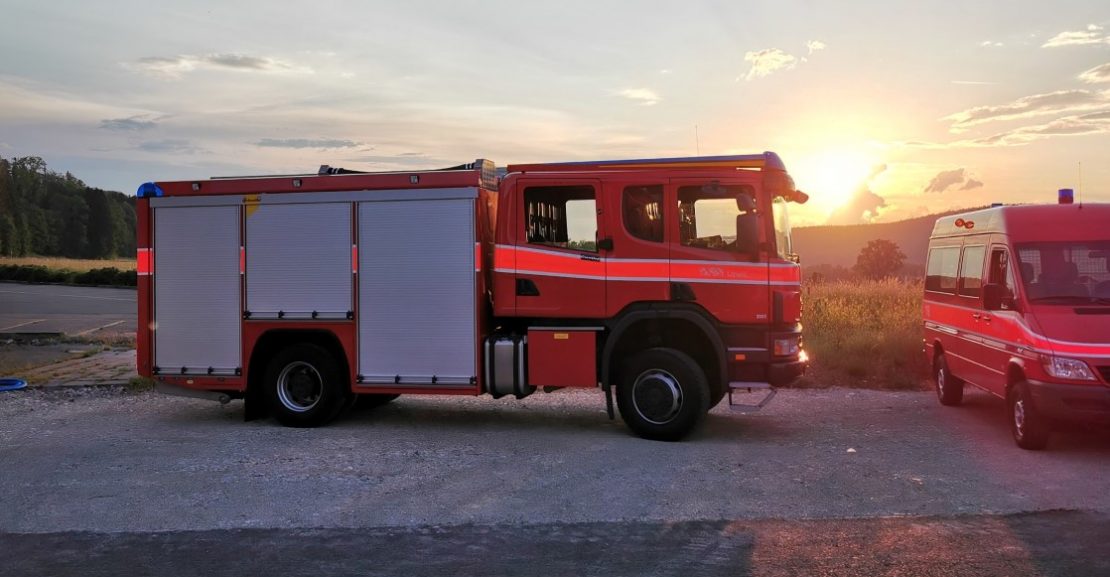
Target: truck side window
707,215
971,271
642,208
561,216
941,273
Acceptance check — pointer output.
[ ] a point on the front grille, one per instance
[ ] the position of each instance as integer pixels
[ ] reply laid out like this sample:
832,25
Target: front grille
1105,371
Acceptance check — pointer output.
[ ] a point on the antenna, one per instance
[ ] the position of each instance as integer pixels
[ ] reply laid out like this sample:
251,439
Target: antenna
697,140
1080,184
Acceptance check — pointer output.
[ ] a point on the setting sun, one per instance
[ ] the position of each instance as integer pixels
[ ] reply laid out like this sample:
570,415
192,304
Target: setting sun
832,177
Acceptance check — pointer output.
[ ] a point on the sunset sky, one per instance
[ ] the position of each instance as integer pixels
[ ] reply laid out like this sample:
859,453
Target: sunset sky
881,110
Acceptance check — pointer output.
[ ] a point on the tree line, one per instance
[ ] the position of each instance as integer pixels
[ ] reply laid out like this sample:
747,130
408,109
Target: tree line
46,213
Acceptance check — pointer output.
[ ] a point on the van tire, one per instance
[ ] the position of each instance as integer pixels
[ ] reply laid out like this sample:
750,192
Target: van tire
950,390
1028,426
305,386
662,394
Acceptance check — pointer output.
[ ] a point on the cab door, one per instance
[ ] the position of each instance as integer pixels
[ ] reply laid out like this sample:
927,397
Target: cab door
636,266
707,266
559,267
999,327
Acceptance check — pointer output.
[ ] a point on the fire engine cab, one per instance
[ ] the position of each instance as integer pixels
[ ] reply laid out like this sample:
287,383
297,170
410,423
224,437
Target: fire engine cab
667,282
1017,303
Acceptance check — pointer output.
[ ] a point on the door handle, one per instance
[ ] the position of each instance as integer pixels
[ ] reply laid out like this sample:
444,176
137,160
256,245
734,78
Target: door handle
986,318
976,316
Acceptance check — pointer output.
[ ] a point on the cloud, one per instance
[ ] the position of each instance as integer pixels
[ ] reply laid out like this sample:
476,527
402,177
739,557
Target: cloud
320,143
643,96
815,46
1096,74
1029,106
1092,35
174,145
767,61
947,179
974,82
864,205
1076,125
991,44
130,124
175,66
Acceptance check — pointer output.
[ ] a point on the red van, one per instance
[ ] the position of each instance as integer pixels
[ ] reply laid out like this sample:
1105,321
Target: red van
1017,303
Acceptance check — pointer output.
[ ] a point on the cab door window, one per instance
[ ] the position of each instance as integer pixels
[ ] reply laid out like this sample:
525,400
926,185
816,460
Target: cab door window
708,215
561,216
1000,274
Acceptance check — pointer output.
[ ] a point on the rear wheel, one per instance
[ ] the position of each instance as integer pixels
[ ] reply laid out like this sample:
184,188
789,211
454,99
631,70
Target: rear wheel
950,390
305,386
1030,429
662,394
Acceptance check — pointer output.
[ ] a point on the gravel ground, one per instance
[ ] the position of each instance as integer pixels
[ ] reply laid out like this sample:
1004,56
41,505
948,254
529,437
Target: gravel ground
104,460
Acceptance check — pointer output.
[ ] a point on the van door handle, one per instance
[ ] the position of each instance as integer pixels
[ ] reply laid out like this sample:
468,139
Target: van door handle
986,318
975,316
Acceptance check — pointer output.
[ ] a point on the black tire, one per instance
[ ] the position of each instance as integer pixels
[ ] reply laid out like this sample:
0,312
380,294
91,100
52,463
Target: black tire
950,389
716,397
1029,428
366,402
305,386
662,394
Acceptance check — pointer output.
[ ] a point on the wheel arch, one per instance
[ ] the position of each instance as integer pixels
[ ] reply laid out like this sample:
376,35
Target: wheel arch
273,341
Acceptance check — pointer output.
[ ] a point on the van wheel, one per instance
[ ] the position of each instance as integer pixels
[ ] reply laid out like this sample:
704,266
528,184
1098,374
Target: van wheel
662,394
305,386
950,390
1030,429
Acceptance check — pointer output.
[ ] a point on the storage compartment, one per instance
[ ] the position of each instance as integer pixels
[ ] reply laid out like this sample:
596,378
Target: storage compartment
562,358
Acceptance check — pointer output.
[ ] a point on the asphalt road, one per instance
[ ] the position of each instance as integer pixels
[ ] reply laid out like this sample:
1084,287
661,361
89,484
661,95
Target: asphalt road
833,482
69,310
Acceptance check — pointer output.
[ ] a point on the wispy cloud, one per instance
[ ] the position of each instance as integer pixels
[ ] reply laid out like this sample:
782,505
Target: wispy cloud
974,82
815,46
318,143
768,61
643,96
174,145
958,178
991,44
1075,125
1096,75
176,66
1094,34
1029,106
135,123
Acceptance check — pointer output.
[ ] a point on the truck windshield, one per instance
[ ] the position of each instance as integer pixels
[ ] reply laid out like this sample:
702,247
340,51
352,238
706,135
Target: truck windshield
782,229
1065,272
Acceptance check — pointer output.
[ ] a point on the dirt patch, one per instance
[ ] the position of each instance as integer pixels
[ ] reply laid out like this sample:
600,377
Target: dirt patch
20,357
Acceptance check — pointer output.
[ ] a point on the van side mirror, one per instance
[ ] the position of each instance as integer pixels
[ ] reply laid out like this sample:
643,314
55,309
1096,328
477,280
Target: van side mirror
997,298
747,233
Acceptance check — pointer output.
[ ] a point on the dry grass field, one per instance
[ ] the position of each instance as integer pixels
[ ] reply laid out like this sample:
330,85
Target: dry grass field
75,265
864,334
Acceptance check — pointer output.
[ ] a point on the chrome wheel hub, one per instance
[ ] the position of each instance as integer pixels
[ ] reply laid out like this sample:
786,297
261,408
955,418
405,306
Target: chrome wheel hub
657,396
299,387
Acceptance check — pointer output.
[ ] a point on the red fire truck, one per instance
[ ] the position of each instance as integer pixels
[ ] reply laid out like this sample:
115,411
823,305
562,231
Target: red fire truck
667,282
1017,303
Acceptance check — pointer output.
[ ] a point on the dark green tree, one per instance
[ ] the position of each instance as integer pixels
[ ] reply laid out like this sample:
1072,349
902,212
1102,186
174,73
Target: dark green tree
881,258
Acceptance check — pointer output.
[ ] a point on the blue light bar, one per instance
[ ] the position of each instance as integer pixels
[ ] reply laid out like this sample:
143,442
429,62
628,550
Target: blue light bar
148,189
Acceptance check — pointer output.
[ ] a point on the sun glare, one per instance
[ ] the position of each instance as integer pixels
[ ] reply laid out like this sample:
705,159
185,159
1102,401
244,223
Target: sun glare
832,177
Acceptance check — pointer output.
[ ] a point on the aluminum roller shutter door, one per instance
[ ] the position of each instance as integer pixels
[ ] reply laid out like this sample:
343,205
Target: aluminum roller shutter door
196,289
416,291
299,260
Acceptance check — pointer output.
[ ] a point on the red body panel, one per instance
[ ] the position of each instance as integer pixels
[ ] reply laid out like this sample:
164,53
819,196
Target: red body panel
144,282
562,358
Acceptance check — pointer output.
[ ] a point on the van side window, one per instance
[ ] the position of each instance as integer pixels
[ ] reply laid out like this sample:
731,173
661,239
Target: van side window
971,272
642,207
1000,273
561,216
941,271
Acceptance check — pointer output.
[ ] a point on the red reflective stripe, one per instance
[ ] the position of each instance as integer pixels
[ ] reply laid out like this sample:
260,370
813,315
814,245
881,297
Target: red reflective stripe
719,271
504,258
786,274
559,263
636,269
242,260
354,258
144,261
477,257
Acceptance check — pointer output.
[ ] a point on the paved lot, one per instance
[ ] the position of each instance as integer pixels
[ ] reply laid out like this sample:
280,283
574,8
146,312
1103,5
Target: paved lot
161,485
66,310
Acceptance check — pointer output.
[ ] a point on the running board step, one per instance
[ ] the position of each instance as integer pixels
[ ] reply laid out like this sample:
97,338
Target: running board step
747,388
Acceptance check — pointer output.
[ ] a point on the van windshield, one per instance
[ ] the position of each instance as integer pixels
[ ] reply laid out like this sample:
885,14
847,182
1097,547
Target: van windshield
1066,272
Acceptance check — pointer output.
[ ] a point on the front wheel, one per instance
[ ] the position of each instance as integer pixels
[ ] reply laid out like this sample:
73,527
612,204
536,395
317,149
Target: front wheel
305,386
1030,429
662,394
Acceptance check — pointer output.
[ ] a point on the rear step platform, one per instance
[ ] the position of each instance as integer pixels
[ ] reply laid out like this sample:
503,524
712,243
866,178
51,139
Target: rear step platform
747,388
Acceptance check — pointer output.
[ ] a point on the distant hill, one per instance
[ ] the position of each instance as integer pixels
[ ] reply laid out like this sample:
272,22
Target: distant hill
838,246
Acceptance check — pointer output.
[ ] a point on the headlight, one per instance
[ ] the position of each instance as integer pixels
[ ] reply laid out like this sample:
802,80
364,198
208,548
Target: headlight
1063,368
786,347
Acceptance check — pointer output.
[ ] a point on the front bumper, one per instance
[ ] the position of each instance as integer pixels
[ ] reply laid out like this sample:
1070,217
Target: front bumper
1082,403
784,373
